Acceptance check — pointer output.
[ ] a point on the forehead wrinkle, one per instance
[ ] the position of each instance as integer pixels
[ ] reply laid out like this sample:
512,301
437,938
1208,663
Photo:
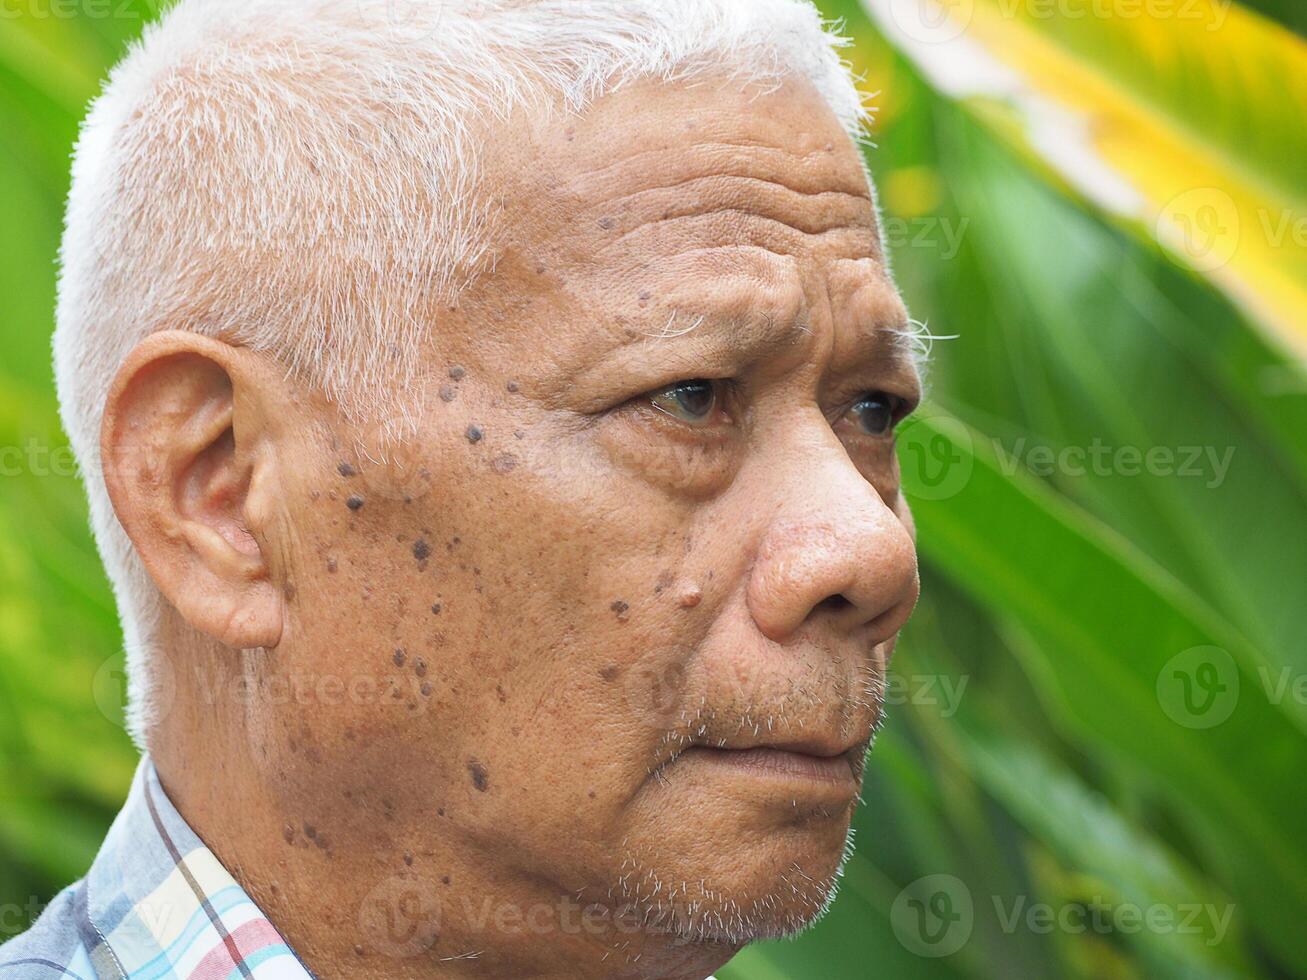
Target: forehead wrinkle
812,213
813,172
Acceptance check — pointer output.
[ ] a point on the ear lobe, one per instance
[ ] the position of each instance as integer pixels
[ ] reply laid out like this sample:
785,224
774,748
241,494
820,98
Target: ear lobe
179,466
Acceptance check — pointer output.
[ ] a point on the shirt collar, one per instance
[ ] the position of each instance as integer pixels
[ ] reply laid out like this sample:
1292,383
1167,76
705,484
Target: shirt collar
156,903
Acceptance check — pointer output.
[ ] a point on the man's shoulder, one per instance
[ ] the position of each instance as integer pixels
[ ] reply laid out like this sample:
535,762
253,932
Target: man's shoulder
52,947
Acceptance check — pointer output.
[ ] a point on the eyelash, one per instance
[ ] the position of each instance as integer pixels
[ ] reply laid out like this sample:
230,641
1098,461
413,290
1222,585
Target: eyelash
900,407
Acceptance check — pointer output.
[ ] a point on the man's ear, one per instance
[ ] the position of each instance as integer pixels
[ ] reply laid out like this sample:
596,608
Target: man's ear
183,446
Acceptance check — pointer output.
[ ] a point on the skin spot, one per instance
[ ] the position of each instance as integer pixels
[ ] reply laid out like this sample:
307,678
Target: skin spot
456,372
399,658
519,434
480,778
665,578
607,224
425,689
289,834
503,463
540,268
358,950
331,565
421,550
310,831
611,673
435,609
408,859
346,469
448,392
690,597
622,609
444,879
474,433
354,502
288,590
499,692
511,386
420,667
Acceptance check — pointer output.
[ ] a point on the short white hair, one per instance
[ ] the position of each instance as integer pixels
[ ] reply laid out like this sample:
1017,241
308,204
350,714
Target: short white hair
300,177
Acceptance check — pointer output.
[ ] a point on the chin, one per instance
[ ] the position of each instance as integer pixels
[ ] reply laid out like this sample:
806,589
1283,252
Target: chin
773,887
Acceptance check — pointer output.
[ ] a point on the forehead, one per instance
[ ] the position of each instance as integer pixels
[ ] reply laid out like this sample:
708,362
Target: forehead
665,203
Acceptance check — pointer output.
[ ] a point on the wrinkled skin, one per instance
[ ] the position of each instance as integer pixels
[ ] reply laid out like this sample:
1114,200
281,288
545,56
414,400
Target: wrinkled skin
496,664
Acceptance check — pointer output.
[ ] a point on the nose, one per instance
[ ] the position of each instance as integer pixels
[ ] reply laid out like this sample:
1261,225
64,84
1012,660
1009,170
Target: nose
835,551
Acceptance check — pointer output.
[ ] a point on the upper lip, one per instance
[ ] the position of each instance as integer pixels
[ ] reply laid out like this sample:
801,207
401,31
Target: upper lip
822,748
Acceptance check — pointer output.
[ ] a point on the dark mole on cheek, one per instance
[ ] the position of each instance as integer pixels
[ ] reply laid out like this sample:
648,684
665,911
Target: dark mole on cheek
448,392
421,550
435,609
444,879
456,372
621,608
331,564
346,469
511,386
607,224
420,667
398,658
310,831
354,502
480,778
288,590
474,433
425,689
408,859
611,672
503,463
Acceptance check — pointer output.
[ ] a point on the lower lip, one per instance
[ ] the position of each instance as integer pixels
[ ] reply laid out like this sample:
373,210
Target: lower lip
778,764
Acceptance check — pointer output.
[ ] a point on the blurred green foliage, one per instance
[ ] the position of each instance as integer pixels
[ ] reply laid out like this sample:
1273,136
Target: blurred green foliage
1095,760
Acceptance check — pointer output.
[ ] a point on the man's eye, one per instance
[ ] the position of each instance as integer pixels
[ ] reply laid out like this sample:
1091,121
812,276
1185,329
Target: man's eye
874,413
694,402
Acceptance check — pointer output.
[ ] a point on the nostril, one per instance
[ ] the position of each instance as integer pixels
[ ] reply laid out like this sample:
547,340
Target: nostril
834,602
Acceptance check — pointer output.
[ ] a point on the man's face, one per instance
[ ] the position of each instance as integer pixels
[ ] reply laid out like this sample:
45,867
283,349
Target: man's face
629,594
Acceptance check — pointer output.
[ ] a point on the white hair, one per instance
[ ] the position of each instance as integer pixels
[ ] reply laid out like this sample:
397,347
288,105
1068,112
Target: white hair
300,177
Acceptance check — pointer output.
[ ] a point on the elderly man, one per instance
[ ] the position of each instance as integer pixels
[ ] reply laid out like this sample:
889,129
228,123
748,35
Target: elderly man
487,414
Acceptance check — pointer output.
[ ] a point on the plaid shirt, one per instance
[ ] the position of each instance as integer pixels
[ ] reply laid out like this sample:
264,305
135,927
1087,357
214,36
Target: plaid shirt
155,904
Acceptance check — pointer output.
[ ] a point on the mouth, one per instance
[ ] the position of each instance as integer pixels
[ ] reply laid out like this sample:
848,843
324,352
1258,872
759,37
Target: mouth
811,769
772,762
